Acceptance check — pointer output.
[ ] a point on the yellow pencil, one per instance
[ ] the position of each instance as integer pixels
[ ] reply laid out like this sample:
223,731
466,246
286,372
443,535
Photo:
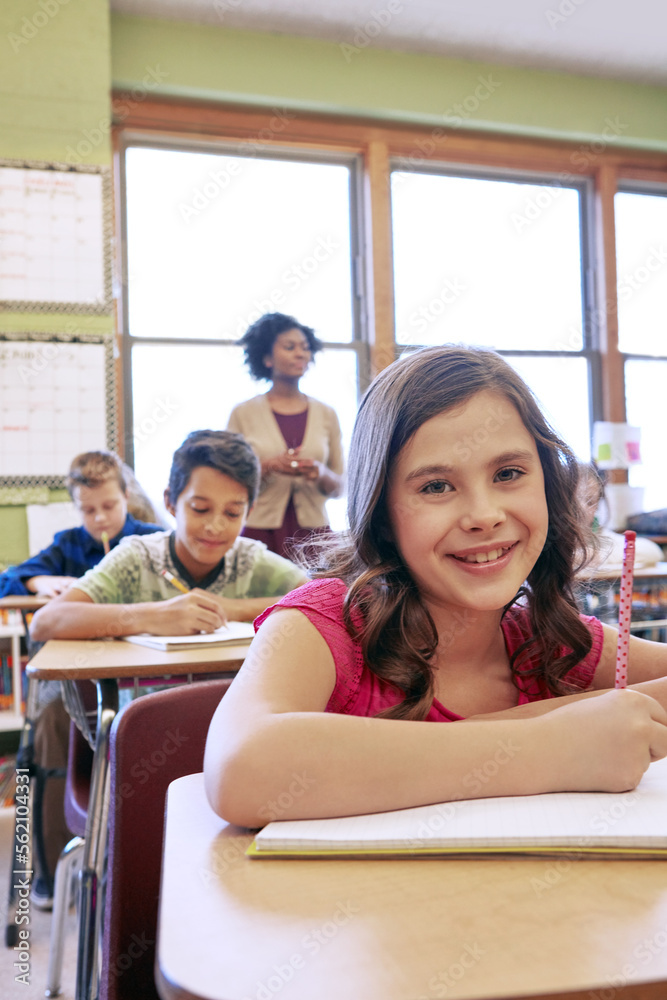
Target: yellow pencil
105,542
174,582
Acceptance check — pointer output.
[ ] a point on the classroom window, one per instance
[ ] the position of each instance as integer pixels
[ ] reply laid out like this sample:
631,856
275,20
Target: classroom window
214,239
645,381
641,269
498,263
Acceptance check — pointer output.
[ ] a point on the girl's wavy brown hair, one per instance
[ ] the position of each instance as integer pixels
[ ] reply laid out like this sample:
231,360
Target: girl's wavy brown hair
398,637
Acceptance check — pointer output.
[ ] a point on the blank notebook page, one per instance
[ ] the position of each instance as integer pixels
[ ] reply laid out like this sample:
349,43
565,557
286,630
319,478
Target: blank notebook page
578,819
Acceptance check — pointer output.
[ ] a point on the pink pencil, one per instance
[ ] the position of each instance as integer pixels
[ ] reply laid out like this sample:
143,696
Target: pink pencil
625,610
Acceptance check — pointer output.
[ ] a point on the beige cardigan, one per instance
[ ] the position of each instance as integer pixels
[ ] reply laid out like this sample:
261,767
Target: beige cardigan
321,442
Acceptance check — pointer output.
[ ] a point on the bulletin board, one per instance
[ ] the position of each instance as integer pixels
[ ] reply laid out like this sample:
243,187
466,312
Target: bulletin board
57,399
55,238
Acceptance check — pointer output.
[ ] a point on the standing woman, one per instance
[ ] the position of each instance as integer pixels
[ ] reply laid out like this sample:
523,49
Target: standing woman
296,438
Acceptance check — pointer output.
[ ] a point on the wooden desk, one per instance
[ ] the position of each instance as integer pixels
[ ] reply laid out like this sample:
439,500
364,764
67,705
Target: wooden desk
105,662
88,659
232,928
24,602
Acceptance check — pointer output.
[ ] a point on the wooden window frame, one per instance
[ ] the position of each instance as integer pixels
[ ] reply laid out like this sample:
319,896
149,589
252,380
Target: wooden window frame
378,144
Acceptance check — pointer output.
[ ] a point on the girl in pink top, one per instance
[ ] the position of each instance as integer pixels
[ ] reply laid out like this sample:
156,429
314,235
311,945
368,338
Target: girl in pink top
449,600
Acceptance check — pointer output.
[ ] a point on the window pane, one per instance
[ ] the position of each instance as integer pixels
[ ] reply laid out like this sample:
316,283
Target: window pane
561,388
178,389
215,241
333,378
486,262
645,383
641,256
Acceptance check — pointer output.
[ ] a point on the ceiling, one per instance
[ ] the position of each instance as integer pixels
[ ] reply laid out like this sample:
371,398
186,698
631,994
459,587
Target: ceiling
604,38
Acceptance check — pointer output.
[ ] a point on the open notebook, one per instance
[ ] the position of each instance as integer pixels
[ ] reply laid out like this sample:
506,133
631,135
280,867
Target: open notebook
579,824
231,632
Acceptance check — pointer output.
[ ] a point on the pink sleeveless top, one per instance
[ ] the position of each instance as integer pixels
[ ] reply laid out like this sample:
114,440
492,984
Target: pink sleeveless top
358,691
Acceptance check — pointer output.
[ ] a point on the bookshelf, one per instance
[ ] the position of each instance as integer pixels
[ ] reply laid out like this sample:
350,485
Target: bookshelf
12,629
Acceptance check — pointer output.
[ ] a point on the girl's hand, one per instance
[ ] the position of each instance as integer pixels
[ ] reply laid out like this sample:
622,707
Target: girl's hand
606,743
187,614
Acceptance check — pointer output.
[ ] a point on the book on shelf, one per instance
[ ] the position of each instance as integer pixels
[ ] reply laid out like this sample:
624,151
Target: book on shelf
232,632
578,824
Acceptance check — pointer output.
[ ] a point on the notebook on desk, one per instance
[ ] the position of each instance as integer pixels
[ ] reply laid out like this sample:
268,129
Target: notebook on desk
237,632
578,824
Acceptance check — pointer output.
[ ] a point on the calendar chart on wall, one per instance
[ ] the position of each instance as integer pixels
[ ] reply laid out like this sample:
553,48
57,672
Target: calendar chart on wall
54,239
55,402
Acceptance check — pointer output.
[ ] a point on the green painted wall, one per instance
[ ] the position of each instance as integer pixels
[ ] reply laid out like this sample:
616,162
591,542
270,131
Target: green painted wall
55,83
187,60
54,79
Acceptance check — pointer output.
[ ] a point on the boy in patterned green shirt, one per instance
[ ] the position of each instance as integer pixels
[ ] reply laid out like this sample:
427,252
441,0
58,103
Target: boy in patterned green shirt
213,482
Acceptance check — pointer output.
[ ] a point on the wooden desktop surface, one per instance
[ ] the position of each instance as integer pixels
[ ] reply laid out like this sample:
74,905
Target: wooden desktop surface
90,659
566,929
23,602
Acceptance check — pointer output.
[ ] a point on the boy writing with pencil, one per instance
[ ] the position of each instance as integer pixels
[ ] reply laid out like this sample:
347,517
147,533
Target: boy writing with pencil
213,482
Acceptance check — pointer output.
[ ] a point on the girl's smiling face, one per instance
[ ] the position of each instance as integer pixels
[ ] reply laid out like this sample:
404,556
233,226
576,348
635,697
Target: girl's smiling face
210,513
467,505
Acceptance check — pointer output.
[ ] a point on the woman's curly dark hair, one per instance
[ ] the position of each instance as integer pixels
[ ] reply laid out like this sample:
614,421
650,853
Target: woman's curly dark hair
398,637
259,338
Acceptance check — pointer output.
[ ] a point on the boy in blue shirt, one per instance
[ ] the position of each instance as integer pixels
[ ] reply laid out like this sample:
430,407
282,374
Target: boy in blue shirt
101,488
97,483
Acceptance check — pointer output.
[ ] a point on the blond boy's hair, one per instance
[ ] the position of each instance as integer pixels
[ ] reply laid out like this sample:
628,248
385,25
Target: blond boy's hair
92,468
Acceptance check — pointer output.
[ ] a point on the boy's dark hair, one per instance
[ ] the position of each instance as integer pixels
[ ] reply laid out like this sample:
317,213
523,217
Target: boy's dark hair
258,341
399,638
92,468
225,451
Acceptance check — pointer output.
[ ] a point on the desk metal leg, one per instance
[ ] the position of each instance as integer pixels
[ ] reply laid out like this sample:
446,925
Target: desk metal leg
90,913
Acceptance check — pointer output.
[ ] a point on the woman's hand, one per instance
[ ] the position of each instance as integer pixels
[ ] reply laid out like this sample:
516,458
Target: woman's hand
310,469
289,464
607,742
196,611
286,464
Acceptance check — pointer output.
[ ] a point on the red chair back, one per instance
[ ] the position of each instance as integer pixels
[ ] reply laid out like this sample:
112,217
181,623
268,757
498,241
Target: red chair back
77,782
154,740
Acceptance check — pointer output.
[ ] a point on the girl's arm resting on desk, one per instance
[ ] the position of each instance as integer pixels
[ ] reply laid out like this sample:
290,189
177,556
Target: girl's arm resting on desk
75,616
273,752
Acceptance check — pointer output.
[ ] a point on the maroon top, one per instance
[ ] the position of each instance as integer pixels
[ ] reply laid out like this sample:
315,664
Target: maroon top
292,427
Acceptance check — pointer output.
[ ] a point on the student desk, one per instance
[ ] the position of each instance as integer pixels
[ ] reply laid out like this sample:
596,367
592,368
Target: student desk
106,662
24,602
235,929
